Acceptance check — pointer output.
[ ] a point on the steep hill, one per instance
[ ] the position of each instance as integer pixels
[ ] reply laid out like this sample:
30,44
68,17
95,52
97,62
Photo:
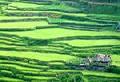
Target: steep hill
40,40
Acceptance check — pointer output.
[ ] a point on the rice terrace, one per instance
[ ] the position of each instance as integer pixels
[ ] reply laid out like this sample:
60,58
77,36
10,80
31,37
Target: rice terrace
59,40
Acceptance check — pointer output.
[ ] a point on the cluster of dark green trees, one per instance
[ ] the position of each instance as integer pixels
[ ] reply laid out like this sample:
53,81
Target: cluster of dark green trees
70,77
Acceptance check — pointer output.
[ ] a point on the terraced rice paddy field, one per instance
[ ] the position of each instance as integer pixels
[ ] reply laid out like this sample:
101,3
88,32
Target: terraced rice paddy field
39,39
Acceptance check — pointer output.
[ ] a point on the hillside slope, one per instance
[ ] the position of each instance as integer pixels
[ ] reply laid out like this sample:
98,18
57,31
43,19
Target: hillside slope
41,39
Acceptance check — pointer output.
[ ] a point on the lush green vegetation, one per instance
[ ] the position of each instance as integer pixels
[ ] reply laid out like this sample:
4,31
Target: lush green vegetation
41,39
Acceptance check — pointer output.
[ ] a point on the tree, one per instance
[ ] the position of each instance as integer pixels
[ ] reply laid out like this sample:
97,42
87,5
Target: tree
71,77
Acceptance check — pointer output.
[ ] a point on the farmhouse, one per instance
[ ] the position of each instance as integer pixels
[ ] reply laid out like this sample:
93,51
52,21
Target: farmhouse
101,59
97,62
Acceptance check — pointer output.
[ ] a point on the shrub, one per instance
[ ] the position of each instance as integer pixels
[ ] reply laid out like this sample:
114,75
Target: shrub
71,77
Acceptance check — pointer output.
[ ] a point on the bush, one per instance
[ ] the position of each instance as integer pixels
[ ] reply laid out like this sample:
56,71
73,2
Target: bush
71,77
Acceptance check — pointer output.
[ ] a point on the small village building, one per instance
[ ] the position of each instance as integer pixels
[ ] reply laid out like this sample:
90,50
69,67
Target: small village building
97,62
101,59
